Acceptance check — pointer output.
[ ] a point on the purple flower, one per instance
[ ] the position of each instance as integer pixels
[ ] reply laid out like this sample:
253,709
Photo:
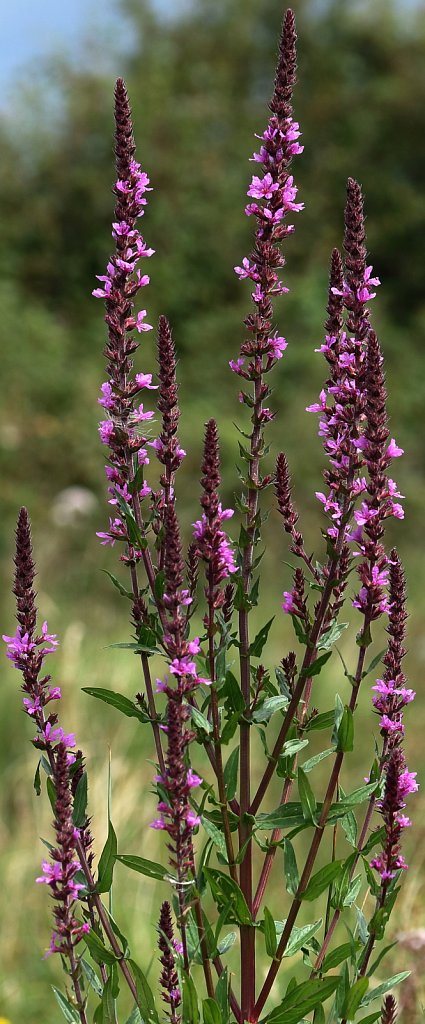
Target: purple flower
262,188
144,380
106,430
393,450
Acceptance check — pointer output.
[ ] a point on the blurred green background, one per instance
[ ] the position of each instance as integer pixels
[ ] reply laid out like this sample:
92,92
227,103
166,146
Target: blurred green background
199,77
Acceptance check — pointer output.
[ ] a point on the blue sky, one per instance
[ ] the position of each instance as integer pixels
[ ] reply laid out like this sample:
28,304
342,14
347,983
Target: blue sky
32,29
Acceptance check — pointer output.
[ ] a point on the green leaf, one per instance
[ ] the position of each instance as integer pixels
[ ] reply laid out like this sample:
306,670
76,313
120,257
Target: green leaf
91,976
107,861
225,944
301,937
222,995
371,1018
37,779
308,800
69,1011
122,590
332,635
364,637
217,837
378,959
349,824
360,794
118,701
135,1017
226,892
308,765
51,793
269,706
354,997
159,585
190,1000
108,1003
323,721
231,773
99,952
291,747
80,802
381,990
144,995
336,957
353,891
286,816
301,1000
269,933
338,713
290,868
321,880
345,742
375,661
199,719
211,1012
316,667
144,867
256,648
233,694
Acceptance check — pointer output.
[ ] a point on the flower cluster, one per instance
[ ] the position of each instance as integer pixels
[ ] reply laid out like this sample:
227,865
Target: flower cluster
353,420
390,698
168,947
274,196
27,649
175,785
212,543
123,432
399,782
59,873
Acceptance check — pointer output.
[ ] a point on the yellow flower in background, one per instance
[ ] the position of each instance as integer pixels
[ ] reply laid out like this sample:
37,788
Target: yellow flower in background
4,1020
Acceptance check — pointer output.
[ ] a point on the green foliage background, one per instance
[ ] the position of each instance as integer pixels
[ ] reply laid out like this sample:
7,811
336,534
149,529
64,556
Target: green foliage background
199,83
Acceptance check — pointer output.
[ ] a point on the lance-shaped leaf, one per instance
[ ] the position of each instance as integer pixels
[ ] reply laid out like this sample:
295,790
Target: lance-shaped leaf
107,862
321,880
301,1000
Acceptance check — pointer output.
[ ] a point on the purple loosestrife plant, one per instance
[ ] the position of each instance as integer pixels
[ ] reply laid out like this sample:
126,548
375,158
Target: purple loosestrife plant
224,934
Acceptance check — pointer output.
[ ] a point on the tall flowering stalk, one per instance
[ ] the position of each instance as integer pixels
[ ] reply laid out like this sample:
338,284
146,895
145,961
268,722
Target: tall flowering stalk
209,813
274,197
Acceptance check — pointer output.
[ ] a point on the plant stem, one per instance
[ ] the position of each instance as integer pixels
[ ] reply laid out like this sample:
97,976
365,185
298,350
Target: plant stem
245,841
216,731
75,975
311,856
104,920
303,680
329,931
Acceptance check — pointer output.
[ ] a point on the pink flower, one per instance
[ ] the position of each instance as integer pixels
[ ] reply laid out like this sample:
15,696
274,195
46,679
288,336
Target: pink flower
139,416
51,872
288,605
236,364
106,429
144,380
192,819
139,323
193,780
247,270
277,346
318,406
393,450
107,400
288,195
363,515
262,188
